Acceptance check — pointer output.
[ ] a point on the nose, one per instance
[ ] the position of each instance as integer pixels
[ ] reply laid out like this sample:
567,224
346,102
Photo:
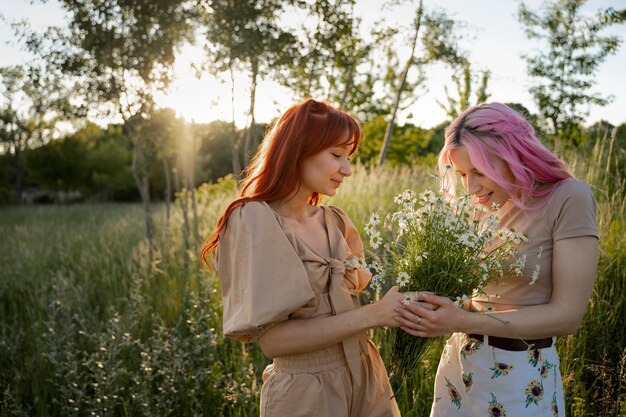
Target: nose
345,169
473,185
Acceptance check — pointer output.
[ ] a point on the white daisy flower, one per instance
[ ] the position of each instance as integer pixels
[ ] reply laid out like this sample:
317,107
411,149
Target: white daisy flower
535,275
375,239
374,219
403,279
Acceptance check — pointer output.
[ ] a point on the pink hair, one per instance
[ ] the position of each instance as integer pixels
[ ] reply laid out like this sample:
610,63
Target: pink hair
493,130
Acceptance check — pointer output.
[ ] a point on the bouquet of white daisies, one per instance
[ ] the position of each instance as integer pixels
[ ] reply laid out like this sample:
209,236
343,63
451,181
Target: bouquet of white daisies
443,245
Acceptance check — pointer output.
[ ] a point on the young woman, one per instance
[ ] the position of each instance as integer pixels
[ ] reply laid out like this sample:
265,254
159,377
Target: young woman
501,359
288,276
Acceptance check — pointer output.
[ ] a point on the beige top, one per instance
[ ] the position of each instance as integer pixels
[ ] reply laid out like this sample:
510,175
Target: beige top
570,212
269,275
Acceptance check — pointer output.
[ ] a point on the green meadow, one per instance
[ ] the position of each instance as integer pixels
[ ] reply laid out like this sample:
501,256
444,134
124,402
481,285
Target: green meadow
88,327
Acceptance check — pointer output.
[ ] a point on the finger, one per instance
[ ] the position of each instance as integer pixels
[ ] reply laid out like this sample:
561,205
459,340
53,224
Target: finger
412,332
408,322
424,304
435,299
419,310
393,289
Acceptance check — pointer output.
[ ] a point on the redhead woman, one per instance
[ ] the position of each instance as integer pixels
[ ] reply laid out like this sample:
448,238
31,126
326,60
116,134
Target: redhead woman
288,277
501,359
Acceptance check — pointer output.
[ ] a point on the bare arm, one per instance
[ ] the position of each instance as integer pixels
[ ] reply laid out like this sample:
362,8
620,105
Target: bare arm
306,335
574,267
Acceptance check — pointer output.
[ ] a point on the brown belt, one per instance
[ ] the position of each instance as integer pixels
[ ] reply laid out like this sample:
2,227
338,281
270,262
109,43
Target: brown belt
515,345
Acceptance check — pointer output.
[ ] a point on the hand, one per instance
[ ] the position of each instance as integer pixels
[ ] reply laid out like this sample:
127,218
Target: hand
385,310
434,317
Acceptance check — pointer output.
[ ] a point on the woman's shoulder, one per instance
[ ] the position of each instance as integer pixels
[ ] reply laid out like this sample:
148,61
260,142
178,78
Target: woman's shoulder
251,212
571,188
341,216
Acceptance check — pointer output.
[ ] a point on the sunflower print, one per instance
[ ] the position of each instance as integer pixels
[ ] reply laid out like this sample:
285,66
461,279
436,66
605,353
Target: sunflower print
468,380
500,368
545,367
495,409
534,357
554,406
453,394
534,392
471,346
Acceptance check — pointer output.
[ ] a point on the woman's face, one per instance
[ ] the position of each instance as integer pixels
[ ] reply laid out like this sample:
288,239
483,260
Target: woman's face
485,191
324,172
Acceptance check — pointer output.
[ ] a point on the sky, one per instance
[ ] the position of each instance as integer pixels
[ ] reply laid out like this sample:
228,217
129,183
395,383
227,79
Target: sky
492,37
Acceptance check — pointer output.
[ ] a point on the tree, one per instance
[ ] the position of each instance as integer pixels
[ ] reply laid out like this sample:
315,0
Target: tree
463,80
60,165
330,56
564,73
121,52
436,32
250,36
408,145
34,102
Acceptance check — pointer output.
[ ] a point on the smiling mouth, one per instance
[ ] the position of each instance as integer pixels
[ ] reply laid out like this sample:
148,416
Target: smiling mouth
337,182
484,198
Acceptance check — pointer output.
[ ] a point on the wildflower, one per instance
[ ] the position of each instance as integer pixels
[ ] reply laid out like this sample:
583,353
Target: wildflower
460,301
352,262
375,266
369,229
375,283
469,239
375,240
403,279
535,275
448,246
517,266
420,258
427,196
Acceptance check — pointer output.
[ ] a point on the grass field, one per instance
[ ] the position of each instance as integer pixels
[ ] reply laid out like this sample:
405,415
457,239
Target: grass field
88,328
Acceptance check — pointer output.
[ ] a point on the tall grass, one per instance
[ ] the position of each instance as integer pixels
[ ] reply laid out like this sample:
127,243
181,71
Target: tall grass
87,328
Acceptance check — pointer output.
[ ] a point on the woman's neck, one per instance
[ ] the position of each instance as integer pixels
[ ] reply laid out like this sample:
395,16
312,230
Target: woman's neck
296,208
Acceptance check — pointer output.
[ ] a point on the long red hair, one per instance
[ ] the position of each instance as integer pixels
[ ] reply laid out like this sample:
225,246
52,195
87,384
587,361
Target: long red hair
274,172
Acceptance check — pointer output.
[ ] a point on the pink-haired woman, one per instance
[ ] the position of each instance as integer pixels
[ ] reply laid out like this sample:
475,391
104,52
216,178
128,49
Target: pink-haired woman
501,359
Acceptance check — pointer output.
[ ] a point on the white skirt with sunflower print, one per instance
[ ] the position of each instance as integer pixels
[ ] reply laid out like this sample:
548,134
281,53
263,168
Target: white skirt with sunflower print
475,379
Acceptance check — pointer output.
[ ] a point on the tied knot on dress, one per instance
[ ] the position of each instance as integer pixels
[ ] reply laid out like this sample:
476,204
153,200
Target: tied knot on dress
343,292
344,271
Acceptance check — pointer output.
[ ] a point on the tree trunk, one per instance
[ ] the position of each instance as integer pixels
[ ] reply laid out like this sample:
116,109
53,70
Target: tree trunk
142,181
235,146
168,190
250,130
347,87
389,131
168,203
192,181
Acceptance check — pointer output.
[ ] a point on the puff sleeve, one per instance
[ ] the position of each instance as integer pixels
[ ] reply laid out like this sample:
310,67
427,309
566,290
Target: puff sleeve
262,278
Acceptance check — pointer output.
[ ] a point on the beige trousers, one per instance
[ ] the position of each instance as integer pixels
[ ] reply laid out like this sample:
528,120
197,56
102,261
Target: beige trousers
320,384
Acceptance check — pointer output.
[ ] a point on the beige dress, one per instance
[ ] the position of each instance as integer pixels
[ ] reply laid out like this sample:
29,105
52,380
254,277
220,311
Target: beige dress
269,275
